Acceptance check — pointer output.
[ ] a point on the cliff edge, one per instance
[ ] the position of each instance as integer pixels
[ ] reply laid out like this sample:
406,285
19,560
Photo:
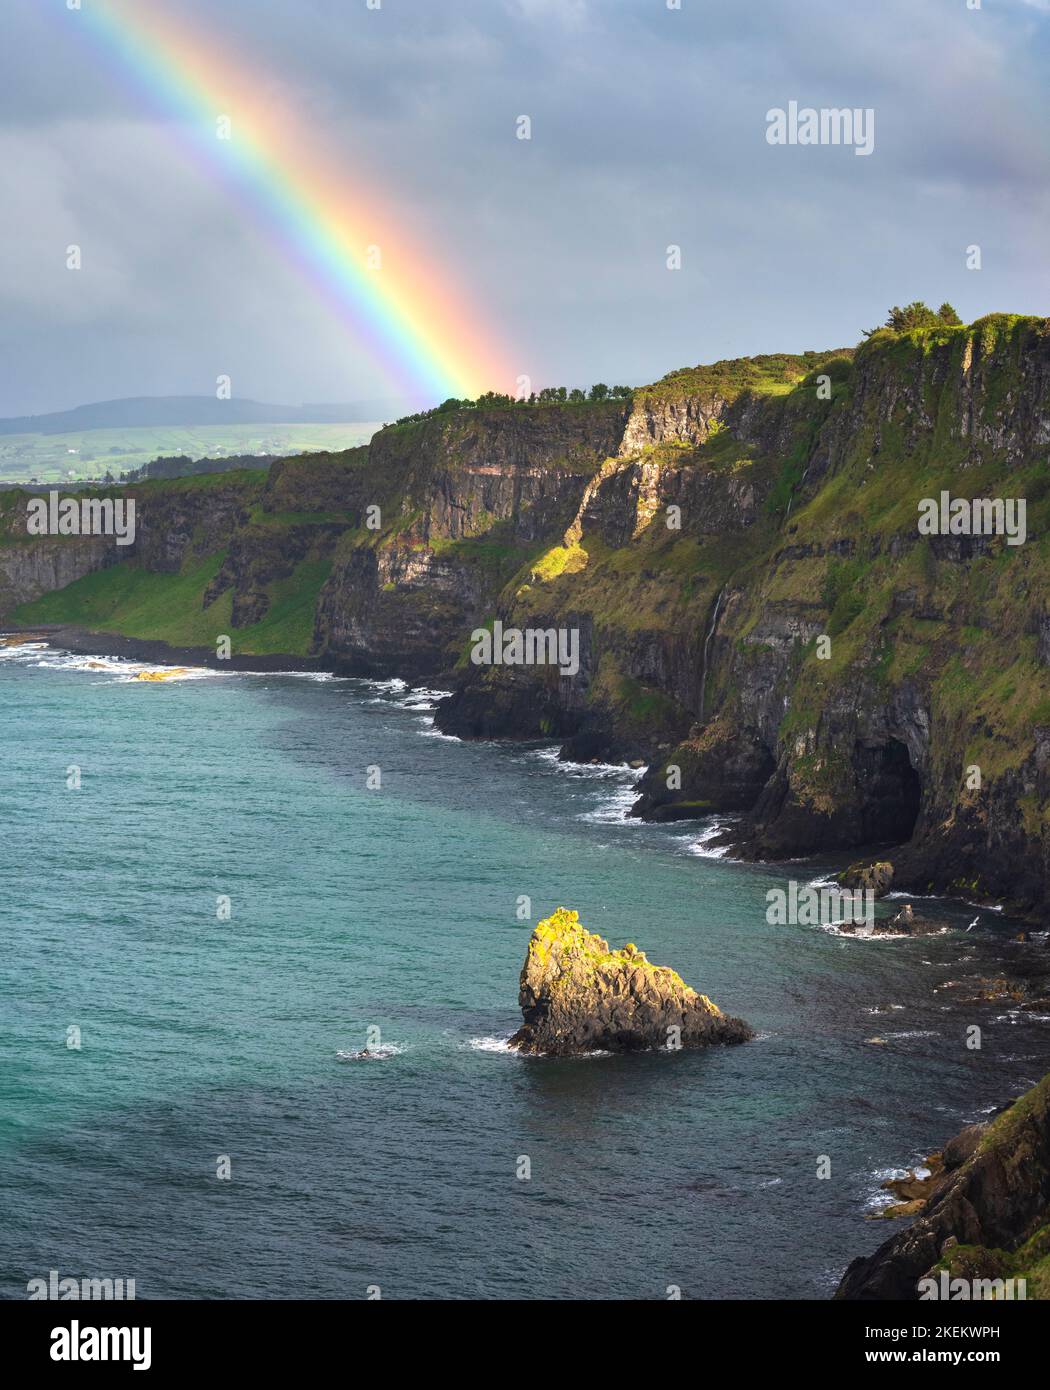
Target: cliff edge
987,1217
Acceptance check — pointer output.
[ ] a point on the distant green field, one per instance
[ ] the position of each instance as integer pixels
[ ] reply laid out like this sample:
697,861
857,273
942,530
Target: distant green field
52,458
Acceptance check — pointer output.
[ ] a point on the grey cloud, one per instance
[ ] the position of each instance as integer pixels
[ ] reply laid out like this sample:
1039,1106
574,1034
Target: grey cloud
648,129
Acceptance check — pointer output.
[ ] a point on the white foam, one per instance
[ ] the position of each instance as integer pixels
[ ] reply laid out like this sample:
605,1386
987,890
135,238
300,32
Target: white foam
614,809
494,1044
373,1054
500,1045
550,756
702,845
429,731
120,670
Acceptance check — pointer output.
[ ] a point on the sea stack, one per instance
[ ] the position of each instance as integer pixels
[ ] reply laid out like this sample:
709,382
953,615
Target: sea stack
577,995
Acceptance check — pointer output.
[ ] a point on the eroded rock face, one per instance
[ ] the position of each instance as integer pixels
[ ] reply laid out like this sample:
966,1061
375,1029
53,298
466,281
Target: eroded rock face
876,878
578,996
987,1215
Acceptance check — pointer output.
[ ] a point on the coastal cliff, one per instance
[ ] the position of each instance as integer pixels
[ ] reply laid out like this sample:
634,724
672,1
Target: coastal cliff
735,552
987,1217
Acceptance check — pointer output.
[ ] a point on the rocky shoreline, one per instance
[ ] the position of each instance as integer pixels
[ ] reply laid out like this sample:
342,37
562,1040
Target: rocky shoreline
84,642
578,996
767,646
982,1214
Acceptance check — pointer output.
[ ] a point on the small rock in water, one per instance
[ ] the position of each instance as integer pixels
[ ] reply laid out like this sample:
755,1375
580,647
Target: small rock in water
577,995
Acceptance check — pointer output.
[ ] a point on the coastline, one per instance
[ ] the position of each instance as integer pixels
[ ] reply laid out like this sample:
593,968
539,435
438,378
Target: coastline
82,641
88,642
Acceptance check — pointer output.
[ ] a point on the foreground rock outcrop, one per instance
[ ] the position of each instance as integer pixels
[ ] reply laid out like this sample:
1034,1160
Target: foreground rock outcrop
986,1215
579,996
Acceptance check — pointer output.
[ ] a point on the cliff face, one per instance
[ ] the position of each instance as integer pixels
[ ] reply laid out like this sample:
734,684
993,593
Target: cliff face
463,500
787,644
31,566
988,1217
737,558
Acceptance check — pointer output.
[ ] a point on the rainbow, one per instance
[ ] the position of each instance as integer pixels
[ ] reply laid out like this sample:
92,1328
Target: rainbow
419,329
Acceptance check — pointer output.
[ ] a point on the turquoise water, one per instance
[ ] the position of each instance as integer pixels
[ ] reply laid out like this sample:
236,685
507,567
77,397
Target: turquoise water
396,909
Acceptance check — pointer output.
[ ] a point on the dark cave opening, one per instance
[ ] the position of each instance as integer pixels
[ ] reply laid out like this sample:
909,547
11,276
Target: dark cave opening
892,792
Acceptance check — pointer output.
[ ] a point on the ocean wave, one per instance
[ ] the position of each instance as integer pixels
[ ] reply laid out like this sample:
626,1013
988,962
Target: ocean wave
917,897
876,1198
702,845
613,809
43,656
430,731
373,1054
550,756
20,651
420,697
495,1044
120,670
416,699
500,1045
316,676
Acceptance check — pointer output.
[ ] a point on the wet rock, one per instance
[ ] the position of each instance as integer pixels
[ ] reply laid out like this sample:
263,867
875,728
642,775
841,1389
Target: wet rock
876,878
907,922
962,1146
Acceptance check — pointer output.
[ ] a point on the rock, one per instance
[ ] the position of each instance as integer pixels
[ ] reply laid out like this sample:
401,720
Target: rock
877,877
907,922
897,1210
577,995
995,991
169,674
987,1217
912,1191
962,1147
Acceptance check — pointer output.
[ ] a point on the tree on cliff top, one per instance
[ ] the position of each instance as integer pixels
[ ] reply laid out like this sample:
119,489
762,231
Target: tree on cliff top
917,315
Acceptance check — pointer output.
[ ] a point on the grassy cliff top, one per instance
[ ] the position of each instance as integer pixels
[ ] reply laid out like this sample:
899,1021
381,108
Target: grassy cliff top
770,374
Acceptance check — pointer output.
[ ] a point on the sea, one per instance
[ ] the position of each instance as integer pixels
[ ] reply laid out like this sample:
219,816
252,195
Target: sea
220,889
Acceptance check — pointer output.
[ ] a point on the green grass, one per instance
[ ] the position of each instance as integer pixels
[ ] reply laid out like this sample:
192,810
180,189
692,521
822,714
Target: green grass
773,374
134,602
47,457
138,603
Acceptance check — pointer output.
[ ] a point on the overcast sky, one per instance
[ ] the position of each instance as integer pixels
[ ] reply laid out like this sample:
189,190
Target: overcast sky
648,129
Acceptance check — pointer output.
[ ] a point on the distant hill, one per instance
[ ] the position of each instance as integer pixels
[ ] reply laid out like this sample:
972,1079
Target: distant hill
146,411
